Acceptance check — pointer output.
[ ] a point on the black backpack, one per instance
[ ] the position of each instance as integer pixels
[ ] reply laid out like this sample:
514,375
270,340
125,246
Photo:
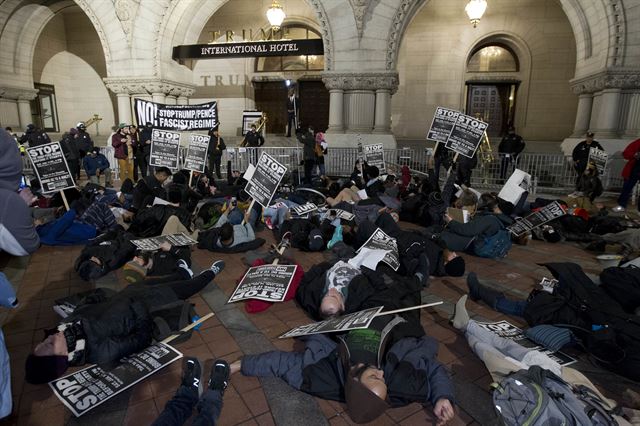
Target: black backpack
623,285
169,319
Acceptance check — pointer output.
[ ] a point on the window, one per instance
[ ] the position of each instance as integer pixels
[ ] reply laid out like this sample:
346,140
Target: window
293,63
43,108
493,58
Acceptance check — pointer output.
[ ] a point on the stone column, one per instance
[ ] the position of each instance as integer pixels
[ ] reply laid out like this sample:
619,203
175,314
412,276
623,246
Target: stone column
124,108
24,113
383,111
171,100
336,111
609,110
632,130
158,97
583,115
183,100
360,110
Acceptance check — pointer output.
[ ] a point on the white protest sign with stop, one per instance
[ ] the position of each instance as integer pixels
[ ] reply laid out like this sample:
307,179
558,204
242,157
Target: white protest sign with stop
265,179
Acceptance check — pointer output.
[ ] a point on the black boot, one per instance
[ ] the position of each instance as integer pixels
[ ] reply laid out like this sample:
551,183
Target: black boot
478,291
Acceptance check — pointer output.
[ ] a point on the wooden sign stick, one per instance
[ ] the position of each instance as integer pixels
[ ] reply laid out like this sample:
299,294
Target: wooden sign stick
455,158
187,328
64,200
249,210
409,309
190,178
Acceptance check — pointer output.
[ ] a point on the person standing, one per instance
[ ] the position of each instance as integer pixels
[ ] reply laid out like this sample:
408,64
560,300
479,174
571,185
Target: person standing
510,147
253,139
121,142
133,132
309,154
321,150
144,148
216,146
293,106
72,152
580,153
85,143
464,168
34,136
630,173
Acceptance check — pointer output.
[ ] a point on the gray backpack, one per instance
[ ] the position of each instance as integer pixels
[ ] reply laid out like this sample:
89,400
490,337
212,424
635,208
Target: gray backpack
537,397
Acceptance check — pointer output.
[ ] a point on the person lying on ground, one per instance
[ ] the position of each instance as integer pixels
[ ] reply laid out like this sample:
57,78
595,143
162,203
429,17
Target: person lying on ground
105,332
504,356
190,197
308,234
151,221
104,254
150,188
68,229
405,370
165,261
233,235
190,395
606,330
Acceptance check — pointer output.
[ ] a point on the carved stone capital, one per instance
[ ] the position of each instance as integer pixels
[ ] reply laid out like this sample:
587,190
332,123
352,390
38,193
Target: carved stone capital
360,8
608,79
404,12
18,93
133,86
361,81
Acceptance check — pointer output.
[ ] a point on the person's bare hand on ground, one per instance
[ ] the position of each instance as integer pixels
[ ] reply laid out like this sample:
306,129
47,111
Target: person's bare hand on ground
443,411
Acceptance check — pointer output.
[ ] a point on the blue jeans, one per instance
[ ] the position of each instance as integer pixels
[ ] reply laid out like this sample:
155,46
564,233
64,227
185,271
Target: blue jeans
627,188
510,307
178,410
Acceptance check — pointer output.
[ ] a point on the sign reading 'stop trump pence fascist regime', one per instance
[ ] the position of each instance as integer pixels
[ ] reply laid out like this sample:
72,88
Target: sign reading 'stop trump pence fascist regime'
177,117
51,167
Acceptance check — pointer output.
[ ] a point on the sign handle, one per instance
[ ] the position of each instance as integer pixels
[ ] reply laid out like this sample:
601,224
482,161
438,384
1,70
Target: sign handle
455,159
187,328
64,200
409,309
249,210
280,251
190,178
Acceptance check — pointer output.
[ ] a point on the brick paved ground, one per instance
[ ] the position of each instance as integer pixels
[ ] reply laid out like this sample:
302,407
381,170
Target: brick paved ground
48,275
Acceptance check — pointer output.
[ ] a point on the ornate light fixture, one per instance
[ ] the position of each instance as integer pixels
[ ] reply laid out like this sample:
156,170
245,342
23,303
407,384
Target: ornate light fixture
275,15
475,9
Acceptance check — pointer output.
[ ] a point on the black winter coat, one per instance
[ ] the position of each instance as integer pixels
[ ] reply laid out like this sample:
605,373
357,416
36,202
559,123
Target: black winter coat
146,190
113,248
149,222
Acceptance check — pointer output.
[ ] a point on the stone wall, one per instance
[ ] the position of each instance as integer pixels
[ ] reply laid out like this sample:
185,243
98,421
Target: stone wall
439,40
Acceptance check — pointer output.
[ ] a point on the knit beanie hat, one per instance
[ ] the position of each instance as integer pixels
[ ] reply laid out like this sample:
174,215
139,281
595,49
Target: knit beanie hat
43,369
134,272
89,270
455,267
315,240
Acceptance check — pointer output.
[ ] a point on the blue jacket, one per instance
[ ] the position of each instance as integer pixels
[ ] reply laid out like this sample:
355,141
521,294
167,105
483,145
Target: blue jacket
92,164
65,231
411,371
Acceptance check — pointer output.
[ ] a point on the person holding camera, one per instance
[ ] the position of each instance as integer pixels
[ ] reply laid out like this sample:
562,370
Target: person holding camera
630,173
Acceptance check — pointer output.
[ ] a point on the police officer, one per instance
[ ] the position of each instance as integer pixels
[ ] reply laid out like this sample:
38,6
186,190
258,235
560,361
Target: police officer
85,144
580,153
510,147
34,136
253,140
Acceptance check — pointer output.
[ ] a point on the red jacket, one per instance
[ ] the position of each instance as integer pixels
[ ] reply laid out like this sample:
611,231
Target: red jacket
628,155
119,142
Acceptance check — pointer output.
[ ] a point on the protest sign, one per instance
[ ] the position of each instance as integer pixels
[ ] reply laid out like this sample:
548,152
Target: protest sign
177,117
196,158
599,158
542,216
51,167
265,180
356,320
165,149
381,241
374,156
466,135
518,183
304,209
85,389
509,331
266,282
442,123
342,214
154,243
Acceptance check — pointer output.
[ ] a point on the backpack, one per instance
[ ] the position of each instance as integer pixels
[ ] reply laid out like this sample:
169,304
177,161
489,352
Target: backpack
623,285
495,246
169,319
538,397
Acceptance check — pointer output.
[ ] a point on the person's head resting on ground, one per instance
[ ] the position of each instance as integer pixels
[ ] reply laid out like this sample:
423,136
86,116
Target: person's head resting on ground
454,265
468,201
49,360
162,174
91,269
504,207
487,202
332,304
365,393
373,172
226,234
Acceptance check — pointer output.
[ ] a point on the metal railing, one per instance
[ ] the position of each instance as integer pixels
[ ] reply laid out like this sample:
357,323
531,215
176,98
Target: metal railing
552,173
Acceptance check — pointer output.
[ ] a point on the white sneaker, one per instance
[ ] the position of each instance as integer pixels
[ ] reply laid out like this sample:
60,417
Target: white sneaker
618,209
183,264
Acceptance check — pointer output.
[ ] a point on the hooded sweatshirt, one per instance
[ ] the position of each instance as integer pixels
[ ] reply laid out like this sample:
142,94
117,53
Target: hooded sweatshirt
17,234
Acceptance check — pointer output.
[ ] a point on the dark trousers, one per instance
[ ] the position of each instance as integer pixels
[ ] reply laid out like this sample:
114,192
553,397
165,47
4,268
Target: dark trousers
74,168
308,170
627,189
291,122
178,409
136,164
143,162
214,165
463,175
183,286
505,162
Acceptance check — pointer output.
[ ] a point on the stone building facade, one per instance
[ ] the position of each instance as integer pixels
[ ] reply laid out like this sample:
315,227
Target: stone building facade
387,64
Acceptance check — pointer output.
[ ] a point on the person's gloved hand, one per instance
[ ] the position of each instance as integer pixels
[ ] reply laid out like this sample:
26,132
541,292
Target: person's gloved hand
7,293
